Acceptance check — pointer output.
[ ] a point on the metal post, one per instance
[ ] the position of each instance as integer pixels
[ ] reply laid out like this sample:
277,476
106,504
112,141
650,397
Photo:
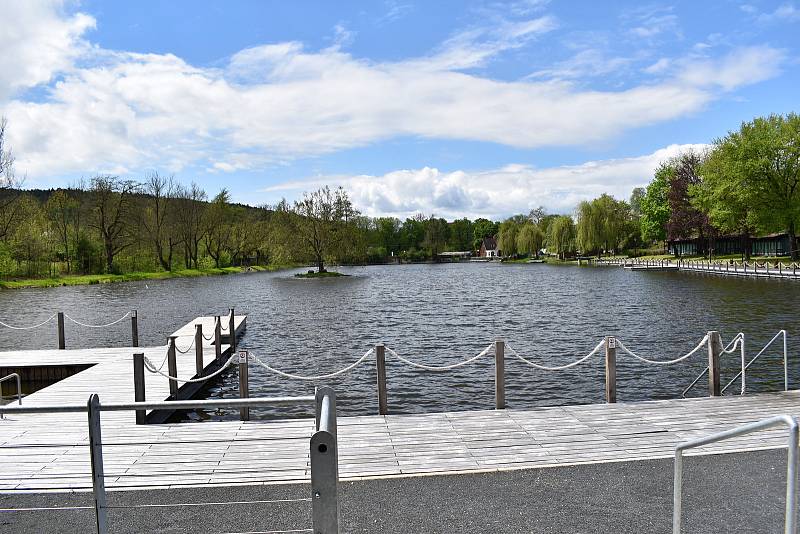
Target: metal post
325,466
96,454
785,365
499,374
138,385
134,328
218,337
172,366
792,462
611,369
232,332
61,342
244,387
198,349
714,351
380,365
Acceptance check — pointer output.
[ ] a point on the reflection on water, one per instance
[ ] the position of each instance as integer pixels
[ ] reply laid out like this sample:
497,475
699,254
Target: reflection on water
441,314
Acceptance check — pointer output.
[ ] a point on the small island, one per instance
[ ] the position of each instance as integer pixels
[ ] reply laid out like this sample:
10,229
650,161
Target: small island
319,274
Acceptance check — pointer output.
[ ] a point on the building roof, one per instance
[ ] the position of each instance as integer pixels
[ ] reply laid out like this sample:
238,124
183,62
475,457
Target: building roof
489,243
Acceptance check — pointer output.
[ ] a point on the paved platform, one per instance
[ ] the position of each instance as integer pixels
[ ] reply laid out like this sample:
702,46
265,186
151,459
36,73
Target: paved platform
740,492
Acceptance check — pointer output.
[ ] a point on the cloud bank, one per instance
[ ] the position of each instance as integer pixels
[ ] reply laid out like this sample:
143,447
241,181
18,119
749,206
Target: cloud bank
493,194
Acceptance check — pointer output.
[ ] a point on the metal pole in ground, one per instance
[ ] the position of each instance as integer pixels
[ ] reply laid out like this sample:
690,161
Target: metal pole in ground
325,465
198,349
134,328
380,365
714,351
499,374
61,340
138,385
244,386
611,369
172,366
96,454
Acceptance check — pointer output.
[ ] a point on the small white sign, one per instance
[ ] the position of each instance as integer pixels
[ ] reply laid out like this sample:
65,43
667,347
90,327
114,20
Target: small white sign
612,343
242,356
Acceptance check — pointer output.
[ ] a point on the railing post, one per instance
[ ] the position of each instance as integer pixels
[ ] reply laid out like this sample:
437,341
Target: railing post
218,337
499,374
324,455
96,455
61,340
611,369
714,351
172,366
244,386
198,349
380,366
134,328
138,385
232,332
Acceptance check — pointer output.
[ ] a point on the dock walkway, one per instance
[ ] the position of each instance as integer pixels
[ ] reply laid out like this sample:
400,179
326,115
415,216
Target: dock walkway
37,458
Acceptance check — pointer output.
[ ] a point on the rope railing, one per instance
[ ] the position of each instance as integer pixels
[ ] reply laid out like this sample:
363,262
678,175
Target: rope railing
441,368
112,323
12,327
152,368
626,350
579,361
278,372
187,349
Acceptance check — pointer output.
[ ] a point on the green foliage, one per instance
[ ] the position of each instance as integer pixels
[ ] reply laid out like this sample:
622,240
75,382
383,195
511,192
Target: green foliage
483,228
507,237
602,224
530,239
561,236
654,207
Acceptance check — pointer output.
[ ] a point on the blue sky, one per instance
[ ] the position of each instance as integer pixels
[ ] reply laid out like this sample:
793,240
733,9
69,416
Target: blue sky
447,108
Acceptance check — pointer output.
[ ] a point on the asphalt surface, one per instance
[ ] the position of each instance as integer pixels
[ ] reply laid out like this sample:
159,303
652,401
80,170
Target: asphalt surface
741,492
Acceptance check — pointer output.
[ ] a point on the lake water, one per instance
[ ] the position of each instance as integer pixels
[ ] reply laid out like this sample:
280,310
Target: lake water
439,315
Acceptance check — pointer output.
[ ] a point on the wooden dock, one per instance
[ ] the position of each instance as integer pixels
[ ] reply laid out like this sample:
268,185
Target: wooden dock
726,268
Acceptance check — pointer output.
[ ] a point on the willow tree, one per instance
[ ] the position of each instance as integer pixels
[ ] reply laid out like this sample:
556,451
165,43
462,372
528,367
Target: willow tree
530,239
323,225
507,237
602,224
561,236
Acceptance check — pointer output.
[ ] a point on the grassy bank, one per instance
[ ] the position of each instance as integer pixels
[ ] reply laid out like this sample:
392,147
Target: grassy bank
90,279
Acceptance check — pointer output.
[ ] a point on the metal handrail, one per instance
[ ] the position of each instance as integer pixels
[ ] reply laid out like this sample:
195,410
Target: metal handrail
790,522
323,446
785,362
704,371
19,387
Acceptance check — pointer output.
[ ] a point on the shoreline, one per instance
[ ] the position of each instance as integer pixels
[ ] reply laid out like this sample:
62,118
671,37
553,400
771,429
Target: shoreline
137,276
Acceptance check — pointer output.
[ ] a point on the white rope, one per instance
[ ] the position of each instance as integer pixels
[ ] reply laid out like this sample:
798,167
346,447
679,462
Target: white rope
209,338
187,348
440,368
164,361
319,377
561,367
12,327
150,367
732,346
112,323
663,362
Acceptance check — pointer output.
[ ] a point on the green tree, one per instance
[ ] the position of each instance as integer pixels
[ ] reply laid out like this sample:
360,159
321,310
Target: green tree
530,239
762,160
323,224
62,214
461,234
561,236
113,214
483,228
218,226
654,207
507,237
436,234
602,224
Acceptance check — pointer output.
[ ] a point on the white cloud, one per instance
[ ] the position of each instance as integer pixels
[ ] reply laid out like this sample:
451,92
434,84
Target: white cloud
37,41
495,193
270,103
783,13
